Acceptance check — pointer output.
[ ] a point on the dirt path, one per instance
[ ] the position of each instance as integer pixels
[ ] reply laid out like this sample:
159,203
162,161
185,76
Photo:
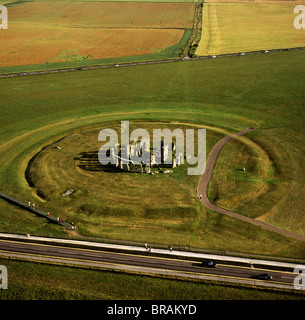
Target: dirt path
203,187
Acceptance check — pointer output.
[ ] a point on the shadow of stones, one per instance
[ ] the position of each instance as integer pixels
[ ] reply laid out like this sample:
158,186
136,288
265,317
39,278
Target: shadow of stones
89,161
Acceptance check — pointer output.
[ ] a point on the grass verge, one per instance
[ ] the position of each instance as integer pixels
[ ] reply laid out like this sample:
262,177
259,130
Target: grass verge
70,283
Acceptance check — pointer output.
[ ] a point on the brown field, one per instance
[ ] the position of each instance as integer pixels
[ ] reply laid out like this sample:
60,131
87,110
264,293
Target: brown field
63,31
292,2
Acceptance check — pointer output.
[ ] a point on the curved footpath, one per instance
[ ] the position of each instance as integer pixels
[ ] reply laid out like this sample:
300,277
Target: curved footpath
203,187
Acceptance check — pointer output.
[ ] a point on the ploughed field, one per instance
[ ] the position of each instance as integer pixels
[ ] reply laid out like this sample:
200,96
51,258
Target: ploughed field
48,32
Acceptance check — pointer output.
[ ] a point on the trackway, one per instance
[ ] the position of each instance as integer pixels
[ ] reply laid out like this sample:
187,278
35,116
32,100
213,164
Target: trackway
203,187
144,263
187,58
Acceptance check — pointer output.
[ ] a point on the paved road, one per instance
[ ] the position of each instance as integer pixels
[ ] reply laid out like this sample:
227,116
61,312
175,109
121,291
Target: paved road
205,179
144,261
27,73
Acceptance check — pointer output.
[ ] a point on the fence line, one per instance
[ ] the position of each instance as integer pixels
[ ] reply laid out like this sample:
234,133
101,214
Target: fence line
33,208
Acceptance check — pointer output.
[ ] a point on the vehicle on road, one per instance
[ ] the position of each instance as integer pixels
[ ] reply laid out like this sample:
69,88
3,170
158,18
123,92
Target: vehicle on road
263,276
209,264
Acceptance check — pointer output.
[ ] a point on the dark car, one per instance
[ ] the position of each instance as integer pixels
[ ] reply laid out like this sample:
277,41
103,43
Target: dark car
209,264
264,276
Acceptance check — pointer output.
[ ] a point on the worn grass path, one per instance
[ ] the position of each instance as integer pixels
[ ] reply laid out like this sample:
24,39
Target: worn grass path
203,187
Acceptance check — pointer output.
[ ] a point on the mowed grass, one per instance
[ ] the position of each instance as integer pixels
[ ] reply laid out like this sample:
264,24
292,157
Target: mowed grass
49,32
243,26
39,110
242,185
105,196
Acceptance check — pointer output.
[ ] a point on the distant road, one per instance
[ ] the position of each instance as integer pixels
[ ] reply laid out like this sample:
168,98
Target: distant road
28,73
203,187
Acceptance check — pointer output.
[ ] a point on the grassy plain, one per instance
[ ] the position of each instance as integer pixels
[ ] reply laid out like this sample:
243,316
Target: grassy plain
48,32
39,110
105,197
241,26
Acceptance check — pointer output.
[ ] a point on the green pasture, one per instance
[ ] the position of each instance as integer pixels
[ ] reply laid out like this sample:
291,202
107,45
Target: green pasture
225,95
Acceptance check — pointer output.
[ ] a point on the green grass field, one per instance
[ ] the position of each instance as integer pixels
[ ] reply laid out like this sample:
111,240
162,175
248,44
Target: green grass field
224,96
247,91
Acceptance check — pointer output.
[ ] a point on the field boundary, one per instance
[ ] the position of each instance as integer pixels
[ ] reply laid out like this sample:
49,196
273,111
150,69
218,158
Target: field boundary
30,207
139,63
271,263
256,264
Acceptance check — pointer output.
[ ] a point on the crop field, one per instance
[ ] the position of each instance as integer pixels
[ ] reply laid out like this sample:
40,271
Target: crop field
241,26
48,32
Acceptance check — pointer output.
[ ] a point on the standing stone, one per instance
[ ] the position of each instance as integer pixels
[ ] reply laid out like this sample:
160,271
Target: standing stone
174,163
132,167
173,146
147,168
140,168
112,155
152,160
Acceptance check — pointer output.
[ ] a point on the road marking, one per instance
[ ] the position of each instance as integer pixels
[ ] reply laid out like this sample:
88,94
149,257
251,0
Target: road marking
141,267
139,255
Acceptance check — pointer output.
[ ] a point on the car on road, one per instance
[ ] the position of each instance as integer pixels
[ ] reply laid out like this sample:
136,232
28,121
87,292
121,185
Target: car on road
264,276
209,264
